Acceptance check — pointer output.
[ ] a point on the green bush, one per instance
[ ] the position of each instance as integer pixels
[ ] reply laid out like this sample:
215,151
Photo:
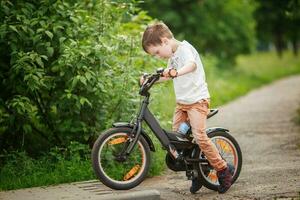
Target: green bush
67,69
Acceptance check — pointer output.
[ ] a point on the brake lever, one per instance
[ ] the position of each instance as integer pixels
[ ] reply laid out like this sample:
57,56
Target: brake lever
160,70
145,75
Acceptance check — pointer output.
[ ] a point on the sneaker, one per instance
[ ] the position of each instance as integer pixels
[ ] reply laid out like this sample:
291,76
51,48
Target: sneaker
231,168
196,185
225,180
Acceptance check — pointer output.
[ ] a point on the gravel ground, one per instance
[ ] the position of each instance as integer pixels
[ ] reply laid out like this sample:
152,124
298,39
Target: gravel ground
262,123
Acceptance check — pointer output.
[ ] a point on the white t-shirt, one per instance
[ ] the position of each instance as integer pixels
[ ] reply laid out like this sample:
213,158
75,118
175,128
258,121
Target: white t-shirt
191,87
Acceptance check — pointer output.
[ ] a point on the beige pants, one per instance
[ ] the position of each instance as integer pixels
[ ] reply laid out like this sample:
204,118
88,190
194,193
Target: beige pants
196,115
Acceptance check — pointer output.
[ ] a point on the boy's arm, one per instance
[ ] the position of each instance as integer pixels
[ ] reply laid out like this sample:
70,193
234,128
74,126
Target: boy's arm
189,67
163,79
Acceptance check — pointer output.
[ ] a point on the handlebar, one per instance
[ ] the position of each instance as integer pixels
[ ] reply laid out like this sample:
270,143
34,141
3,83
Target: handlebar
150,79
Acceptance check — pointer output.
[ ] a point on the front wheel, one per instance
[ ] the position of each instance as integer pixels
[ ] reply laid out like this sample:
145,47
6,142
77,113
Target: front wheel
230,151
114,170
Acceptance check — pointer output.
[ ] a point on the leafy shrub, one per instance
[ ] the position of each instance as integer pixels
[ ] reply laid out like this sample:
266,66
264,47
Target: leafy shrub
68,70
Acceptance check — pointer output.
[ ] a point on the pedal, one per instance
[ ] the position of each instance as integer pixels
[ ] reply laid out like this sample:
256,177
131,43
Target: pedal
191,174
176,155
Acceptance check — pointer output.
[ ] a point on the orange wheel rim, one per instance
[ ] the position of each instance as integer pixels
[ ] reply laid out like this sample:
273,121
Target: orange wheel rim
132,172
119,140
213,176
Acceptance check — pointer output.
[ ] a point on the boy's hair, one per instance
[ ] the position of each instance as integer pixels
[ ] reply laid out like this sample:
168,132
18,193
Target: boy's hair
154,33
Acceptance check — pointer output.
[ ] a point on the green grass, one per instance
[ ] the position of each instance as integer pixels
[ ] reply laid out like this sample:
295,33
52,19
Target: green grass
250,72
58,166
226,84
27,172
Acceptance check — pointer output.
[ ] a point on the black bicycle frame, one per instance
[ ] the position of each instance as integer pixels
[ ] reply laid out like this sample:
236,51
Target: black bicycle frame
156,128
145,115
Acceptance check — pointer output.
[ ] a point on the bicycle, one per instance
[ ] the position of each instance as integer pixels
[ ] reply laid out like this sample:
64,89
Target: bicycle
121,154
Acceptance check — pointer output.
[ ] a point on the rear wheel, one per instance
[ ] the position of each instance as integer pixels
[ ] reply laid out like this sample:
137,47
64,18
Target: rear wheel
115,171
230,151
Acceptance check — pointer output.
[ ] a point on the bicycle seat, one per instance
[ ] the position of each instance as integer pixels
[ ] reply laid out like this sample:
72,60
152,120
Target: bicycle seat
212,113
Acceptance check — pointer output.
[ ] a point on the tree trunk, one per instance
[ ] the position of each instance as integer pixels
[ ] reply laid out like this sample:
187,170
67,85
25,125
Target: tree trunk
295,45
279,43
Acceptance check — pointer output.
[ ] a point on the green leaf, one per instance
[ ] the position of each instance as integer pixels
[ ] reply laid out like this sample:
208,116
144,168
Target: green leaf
88,76
84,100
74,19
13,28
50,51
69,95
50,35
54,109
61,39
55,28
83,80
39,30
39,62
74,82
27,128
45,57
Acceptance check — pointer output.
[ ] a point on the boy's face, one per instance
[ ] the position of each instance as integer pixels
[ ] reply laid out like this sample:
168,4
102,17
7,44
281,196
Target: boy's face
163,50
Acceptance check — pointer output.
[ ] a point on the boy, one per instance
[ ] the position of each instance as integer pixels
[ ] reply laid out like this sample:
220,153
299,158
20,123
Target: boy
192,96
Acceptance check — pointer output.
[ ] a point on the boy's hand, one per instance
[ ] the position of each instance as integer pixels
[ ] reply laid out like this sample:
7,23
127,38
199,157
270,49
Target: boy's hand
170,73
166,73
142,80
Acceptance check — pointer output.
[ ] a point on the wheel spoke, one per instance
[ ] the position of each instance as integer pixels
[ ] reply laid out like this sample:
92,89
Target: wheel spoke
213,176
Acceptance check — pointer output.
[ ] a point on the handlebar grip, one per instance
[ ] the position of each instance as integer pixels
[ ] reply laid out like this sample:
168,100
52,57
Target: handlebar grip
145,75
160,70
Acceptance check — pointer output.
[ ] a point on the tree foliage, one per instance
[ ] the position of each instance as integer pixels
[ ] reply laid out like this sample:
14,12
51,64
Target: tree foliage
278,22
222,28
67,70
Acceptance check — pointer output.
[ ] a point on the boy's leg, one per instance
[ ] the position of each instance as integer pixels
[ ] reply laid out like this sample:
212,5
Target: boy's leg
197,114
180,116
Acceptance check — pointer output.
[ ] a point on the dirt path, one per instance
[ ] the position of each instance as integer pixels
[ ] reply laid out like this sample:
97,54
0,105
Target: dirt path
262,123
